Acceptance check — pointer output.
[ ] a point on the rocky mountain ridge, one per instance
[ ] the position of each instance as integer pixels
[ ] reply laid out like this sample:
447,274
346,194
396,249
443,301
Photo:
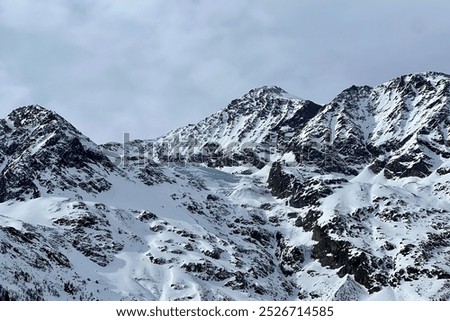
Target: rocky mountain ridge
247,131
271,198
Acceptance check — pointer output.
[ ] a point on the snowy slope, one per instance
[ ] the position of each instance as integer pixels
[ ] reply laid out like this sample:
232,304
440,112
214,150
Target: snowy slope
271,198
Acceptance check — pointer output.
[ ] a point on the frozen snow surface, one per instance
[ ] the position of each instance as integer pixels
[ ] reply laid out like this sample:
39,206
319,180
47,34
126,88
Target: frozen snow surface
271,198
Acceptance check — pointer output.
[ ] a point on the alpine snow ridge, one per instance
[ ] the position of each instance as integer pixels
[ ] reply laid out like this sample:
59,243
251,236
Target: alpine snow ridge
271,198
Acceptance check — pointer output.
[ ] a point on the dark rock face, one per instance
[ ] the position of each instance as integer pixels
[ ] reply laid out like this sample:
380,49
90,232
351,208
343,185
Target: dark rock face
291,258
337,254
280,183
408,165
100,249
40,149
302,192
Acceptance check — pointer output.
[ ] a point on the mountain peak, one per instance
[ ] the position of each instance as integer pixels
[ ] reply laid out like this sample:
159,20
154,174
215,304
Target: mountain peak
431,74
264,90
31,115
421,77
426,80
42,152
262,98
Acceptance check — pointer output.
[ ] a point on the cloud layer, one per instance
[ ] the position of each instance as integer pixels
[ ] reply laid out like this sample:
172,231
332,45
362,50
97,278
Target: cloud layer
145,67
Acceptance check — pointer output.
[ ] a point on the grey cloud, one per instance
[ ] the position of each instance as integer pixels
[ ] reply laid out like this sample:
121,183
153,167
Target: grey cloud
146,67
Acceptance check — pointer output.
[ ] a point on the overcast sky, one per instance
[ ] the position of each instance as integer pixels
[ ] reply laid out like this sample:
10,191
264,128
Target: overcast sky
148,66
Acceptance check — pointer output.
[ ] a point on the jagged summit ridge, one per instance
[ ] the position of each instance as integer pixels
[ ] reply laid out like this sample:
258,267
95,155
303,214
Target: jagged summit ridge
245,131
31,115
270,91
274,90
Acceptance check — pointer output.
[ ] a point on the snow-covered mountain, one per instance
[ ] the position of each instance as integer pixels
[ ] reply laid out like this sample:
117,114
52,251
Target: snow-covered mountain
248,131
271,198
